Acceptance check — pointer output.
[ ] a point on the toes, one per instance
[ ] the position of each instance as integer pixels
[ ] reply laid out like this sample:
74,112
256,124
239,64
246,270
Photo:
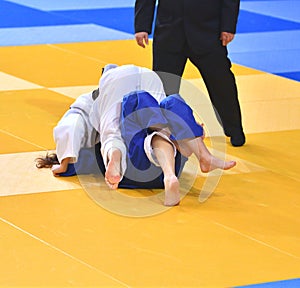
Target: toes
113,186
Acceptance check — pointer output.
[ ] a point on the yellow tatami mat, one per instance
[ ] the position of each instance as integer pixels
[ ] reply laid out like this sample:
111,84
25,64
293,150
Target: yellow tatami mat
60,232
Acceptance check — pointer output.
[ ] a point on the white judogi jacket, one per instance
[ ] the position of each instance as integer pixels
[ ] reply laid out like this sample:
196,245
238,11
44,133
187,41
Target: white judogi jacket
105,112
75,131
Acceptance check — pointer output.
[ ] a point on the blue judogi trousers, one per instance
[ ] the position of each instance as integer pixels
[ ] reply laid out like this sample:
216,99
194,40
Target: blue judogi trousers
140,114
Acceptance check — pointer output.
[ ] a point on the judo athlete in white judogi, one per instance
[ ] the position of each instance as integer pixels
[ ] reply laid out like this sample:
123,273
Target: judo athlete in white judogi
95,117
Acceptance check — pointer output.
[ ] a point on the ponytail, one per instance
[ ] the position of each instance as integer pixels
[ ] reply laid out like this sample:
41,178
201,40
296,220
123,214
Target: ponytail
46,162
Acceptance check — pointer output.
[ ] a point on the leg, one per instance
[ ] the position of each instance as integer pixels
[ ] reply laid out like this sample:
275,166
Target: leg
215,69
164,153
188,134
140,111
169,66
180,118
111,141
207,161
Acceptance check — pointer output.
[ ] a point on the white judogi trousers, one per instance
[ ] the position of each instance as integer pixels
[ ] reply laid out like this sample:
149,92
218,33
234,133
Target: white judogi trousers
105,112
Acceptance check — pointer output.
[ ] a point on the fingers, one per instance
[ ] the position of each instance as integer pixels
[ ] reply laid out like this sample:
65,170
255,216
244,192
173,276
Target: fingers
226,38
55,170
142,39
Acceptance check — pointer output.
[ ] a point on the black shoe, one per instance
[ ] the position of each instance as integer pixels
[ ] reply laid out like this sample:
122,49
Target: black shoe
238,139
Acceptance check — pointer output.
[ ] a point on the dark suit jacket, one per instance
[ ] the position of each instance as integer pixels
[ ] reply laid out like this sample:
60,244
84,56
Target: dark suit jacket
197,22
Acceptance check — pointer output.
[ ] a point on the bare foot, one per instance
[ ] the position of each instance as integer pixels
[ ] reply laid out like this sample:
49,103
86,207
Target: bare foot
212,163
172,195
113,169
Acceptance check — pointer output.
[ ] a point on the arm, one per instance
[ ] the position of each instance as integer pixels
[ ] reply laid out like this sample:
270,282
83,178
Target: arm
229,17
143,19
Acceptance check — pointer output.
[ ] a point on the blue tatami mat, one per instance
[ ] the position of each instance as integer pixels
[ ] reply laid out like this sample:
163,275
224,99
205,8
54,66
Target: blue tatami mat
59,34
115,18
284,9
16,16
74,4
253,22
293,283
267,36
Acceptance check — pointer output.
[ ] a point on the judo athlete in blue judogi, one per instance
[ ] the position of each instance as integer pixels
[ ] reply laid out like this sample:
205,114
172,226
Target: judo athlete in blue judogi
151,131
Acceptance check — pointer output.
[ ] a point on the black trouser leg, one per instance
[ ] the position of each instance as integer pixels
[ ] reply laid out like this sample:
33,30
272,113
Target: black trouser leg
220,83
169,66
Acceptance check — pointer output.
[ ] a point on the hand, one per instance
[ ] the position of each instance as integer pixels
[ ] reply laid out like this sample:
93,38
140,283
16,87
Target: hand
57,169
226,38
60,168
142,39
